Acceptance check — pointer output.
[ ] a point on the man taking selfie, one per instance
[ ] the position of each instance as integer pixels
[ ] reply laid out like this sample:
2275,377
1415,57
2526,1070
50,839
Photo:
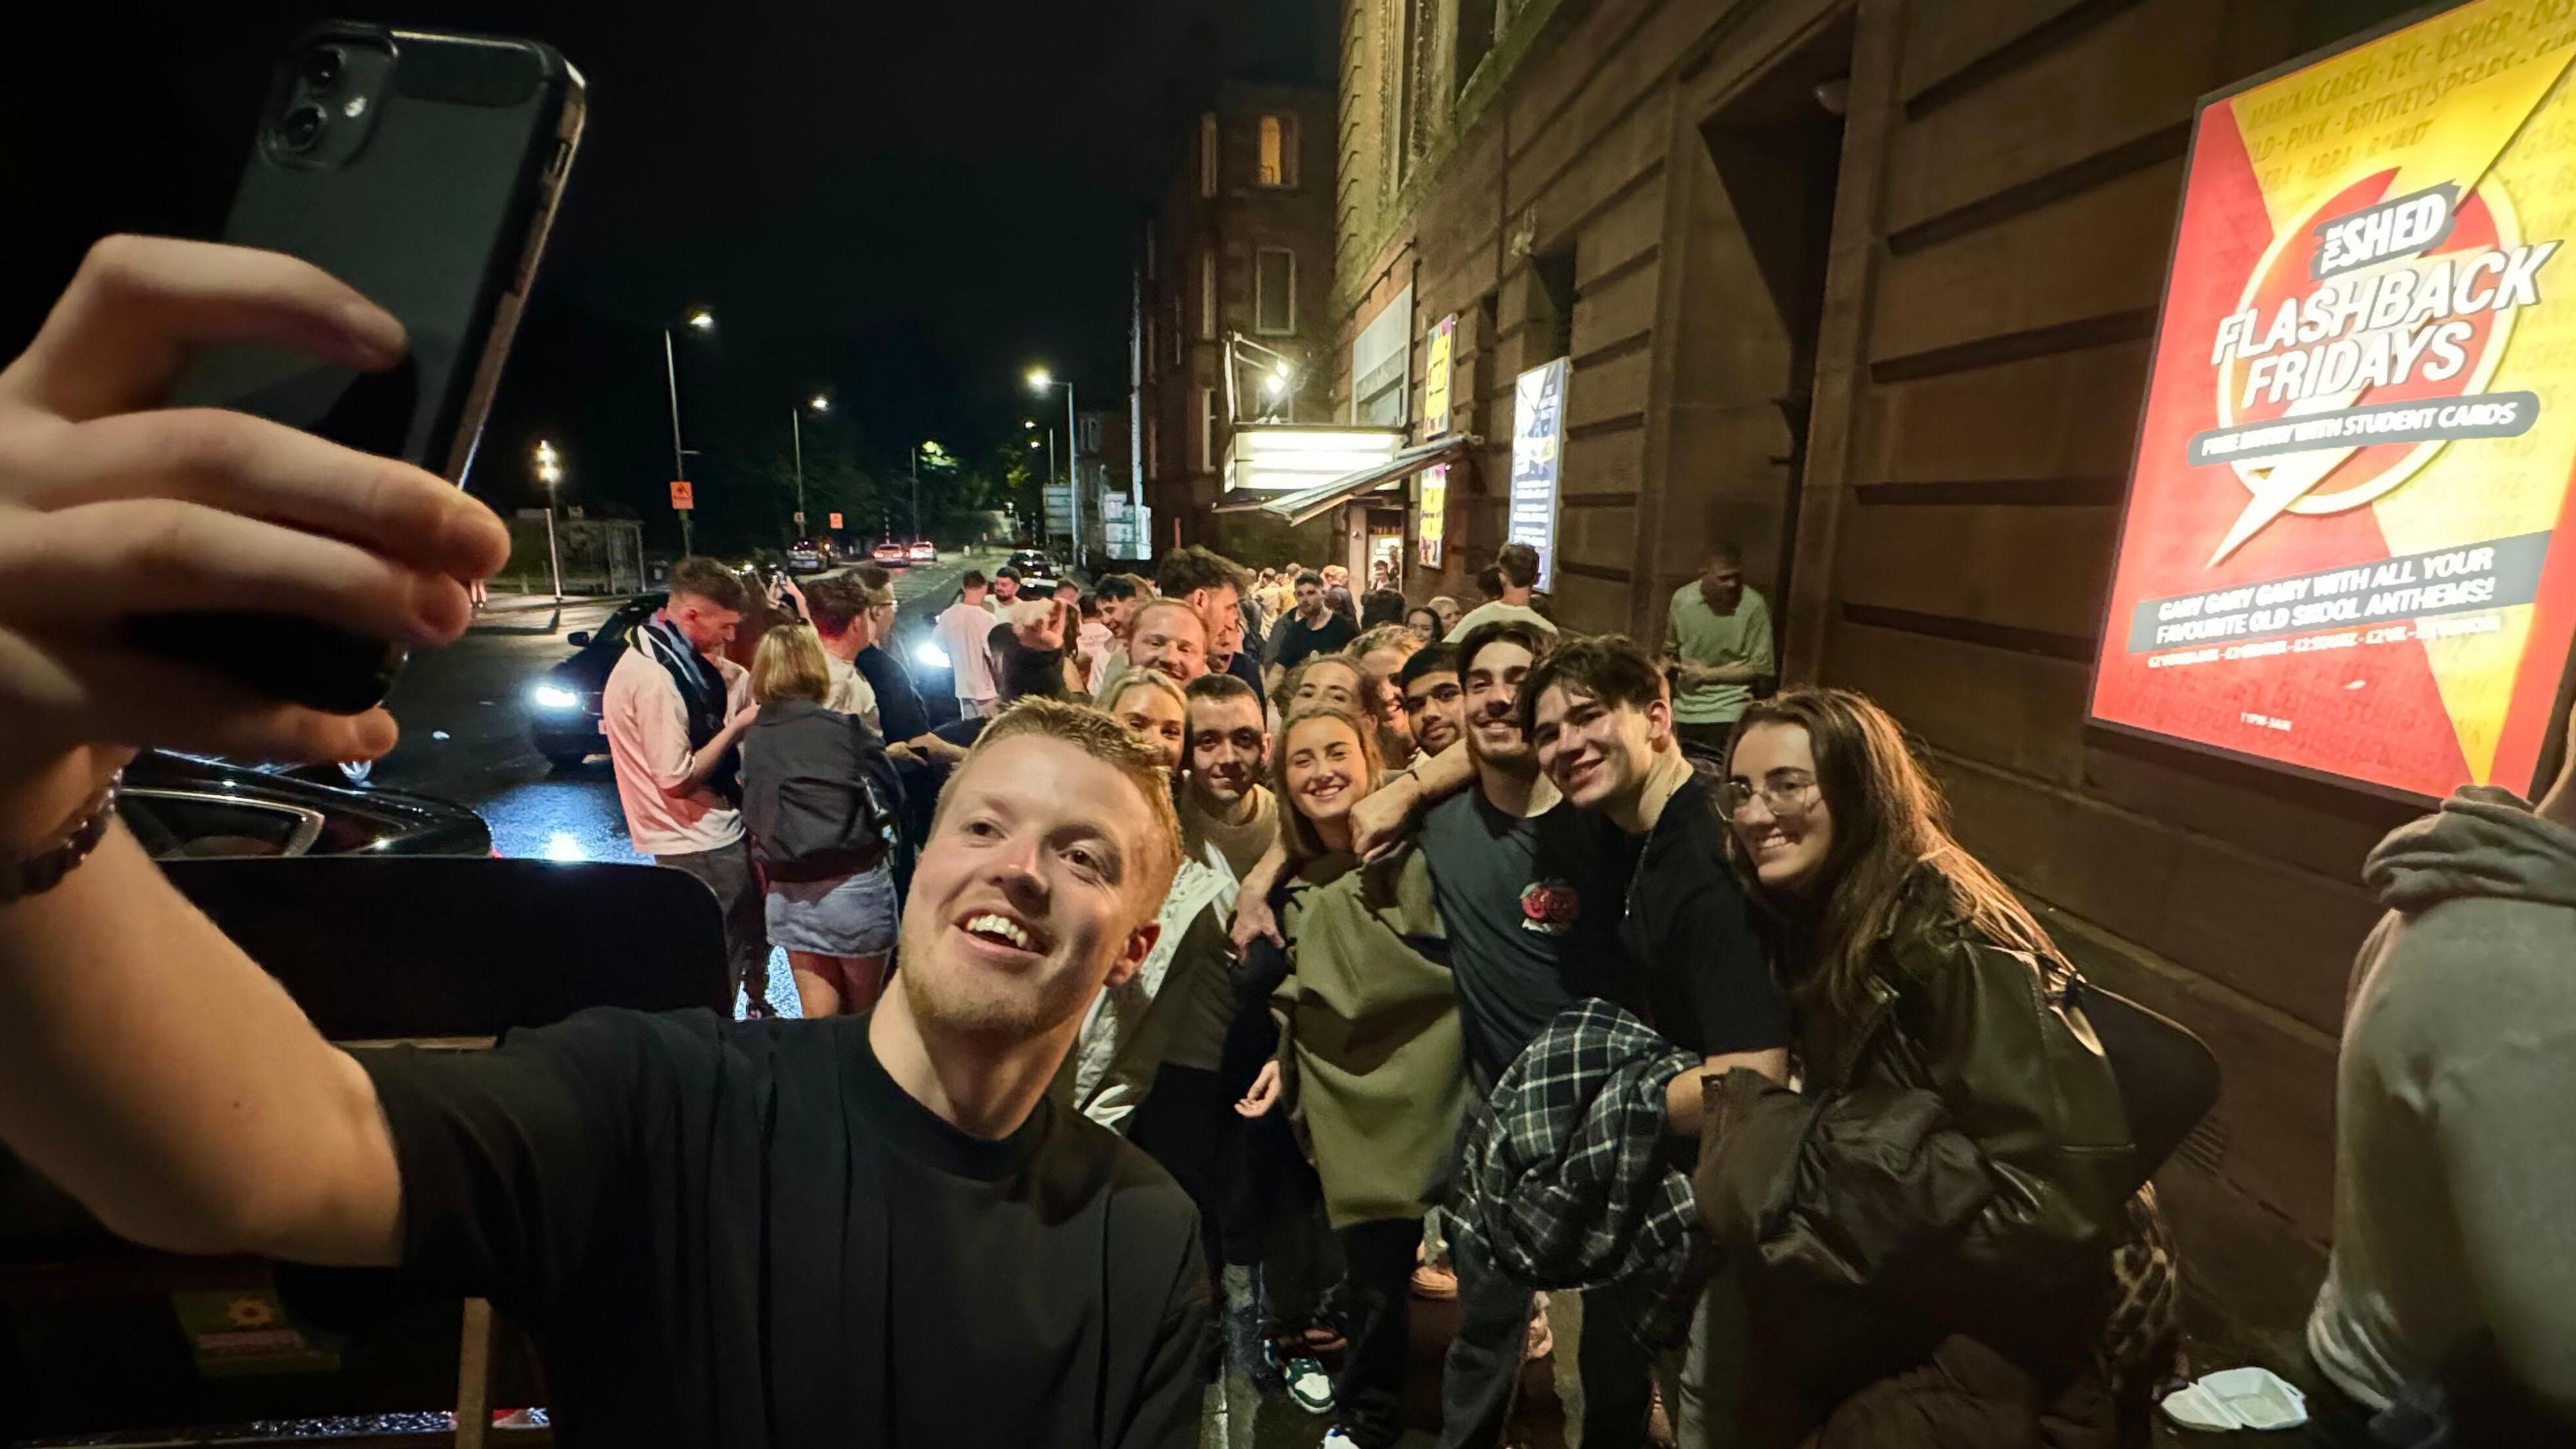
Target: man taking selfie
865,1230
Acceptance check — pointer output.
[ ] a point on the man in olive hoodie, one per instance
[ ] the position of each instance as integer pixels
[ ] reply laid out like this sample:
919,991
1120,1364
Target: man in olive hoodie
2455,1169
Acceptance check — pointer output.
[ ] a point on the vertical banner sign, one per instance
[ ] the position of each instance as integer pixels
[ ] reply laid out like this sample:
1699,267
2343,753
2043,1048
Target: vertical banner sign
1538,437
1432,515
836,521
1437,351
2343,550
683,497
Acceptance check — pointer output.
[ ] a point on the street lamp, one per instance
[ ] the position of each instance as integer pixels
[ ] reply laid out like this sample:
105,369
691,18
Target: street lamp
1276,386
550,473
817,404
699,320
937,454
1040,381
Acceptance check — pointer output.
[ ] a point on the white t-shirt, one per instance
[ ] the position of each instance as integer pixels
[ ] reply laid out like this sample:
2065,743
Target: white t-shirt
1494,612
851,692
962,631
647,725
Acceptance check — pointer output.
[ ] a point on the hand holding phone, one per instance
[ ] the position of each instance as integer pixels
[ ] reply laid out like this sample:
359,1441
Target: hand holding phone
109,503
423,170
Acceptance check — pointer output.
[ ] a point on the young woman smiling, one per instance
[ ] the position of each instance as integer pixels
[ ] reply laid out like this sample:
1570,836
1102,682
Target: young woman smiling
1370,1061
1945,1222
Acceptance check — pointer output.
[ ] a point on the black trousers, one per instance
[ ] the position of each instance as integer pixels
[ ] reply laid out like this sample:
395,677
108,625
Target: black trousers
1368,1398
1482,1376
1181,1124
1272,1218
726,870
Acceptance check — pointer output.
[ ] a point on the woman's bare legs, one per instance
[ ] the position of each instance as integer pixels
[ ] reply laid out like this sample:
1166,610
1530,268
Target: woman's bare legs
818,983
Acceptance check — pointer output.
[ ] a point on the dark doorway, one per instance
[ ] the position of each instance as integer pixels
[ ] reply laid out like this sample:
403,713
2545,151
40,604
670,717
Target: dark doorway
1777,148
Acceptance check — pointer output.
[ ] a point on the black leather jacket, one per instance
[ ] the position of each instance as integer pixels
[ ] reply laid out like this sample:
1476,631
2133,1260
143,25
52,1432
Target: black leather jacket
1958,1161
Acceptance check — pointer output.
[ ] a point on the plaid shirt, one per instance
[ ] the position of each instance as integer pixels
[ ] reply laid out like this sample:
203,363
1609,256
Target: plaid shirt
1563,1179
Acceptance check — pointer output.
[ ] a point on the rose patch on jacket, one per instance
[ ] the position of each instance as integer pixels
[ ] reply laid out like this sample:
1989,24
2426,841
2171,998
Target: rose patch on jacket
1549,907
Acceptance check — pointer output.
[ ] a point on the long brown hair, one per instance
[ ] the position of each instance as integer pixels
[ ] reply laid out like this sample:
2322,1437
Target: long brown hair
1297,834
1889,823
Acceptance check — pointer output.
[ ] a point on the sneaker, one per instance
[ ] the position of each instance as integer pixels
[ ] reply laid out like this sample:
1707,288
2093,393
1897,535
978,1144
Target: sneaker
1336,1439
1309,1387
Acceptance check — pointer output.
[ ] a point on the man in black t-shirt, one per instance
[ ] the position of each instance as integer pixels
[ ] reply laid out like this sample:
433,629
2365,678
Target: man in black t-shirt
1313,629
1600,717
1528,889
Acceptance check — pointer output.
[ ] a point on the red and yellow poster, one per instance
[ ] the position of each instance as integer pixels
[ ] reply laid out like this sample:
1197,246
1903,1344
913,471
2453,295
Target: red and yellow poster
2345,547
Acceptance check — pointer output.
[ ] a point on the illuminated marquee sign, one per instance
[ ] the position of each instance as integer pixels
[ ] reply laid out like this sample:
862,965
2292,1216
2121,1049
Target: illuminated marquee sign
2343,550
1290,458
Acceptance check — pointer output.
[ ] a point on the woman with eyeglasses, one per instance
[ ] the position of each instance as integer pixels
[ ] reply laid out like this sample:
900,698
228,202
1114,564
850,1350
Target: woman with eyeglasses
1371,1061
1945,1226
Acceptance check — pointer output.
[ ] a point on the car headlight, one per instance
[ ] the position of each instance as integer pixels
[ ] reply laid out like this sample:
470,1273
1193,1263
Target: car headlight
929,655
554,696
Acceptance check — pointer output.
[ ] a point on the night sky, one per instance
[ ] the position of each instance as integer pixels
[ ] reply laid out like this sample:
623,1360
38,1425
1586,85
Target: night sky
906,205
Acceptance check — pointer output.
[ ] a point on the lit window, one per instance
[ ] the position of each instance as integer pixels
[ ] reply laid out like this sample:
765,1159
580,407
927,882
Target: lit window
1278,151
1207,295
1274,291
1207,153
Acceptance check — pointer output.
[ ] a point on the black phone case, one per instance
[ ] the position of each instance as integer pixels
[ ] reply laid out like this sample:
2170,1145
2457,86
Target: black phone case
438,214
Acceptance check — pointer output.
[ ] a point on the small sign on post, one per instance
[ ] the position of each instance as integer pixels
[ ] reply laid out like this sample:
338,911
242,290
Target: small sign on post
682,498
836,521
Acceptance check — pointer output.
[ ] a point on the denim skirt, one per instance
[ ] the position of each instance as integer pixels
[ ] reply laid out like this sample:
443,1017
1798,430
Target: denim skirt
851,916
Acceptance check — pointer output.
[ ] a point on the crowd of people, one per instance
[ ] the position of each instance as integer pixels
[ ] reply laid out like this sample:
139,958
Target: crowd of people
1408,848
1249,958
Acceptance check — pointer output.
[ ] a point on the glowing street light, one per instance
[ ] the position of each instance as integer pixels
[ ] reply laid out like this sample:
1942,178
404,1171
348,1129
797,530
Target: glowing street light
550,473
819,403
703,320
1042,381
699,319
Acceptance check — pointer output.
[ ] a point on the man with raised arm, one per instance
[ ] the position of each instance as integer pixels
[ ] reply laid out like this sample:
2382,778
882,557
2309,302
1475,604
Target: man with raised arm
863,1230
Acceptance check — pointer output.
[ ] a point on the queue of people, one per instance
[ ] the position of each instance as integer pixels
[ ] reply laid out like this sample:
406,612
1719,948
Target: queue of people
1728,1037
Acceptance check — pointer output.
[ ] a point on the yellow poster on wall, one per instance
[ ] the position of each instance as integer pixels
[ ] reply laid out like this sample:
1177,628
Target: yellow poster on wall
2344,548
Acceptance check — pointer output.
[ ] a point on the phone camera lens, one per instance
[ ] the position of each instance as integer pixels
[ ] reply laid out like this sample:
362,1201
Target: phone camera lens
302,127
322,66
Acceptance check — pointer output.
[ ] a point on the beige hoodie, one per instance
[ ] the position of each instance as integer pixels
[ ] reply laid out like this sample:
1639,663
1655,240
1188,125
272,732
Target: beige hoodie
2455,1109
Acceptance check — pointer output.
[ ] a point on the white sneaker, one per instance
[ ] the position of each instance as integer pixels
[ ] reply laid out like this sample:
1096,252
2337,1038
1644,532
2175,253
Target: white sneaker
1336,1439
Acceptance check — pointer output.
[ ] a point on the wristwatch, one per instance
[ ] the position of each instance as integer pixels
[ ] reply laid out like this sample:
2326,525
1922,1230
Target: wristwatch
33,875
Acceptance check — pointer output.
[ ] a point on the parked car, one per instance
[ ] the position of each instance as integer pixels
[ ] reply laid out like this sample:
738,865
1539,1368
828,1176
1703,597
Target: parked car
890,554
563,702
1037,572
921,551
806,556
184,807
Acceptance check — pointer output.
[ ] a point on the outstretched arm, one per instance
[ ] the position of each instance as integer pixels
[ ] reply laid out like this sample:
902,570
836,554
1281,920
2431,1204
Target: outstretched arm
146,1064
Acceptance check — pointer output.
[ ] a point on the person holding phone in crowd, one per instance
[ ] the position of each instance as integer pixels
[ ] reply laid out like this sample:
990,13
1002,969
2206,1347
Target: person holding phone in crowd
860,1230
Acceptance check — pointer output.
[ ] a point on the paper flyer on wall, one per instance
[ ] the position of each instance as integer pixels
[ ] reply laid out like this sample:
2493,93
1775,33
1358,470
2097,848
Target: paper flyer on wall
2345,548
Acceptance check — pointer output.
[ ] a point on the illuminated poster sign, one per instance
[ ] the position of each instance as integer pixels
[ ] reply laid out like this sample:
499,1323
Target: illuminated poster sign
1538,440
2343,548
1431,525
1437,352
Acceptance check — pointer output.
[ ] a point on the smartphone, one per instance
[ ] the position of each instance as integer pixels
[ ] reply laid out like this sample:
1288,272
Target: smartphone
422,168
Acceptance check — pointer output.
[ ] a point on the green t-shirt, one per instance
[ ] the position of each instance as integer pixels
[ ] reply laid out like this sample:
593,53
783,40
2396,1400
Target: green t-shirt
1700,635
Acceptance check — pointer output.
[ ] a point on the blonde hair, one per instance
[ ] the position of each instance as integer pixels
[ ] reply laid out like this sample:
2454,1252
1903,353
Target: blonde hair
1134,678
789,665
1297,834
1094,733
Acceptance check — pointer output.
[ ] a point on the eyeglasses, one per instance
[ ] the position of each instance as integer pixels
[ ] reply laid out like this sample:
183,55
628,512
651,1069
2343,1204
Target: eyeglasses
1785,799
